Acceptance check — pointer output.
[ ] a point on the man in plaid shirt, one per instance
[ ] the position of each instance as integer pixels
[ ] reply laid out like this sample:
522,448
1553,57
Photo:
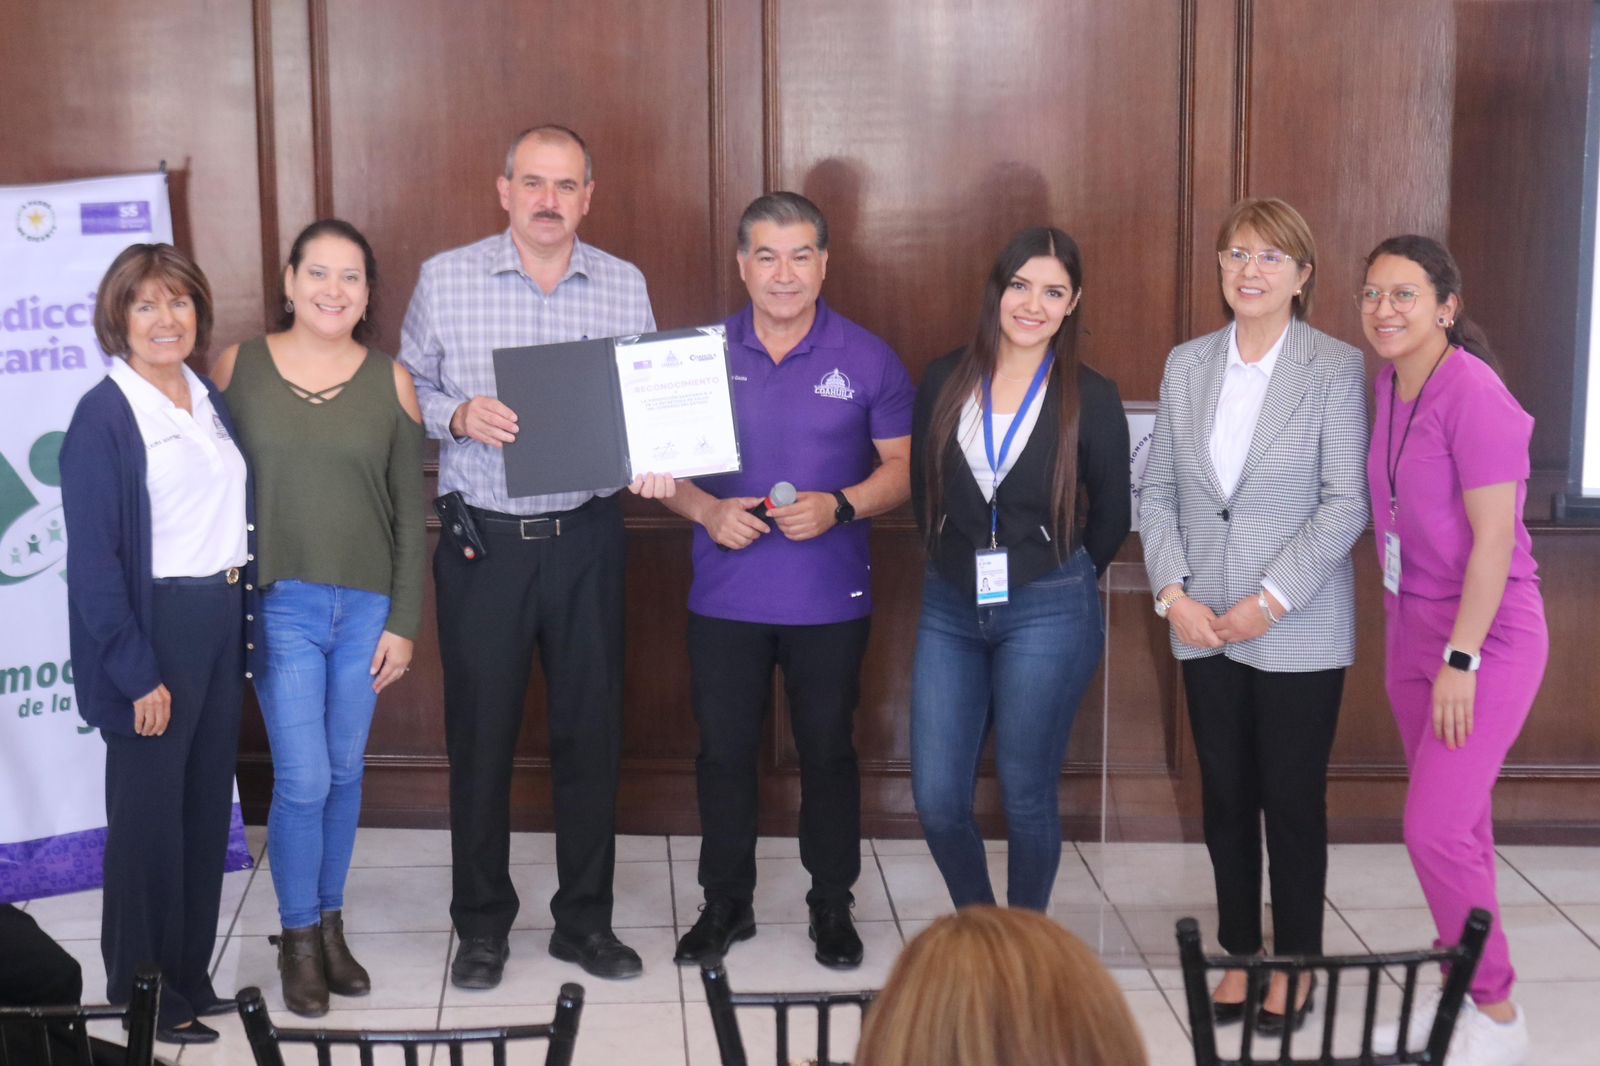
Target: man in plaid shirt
551,576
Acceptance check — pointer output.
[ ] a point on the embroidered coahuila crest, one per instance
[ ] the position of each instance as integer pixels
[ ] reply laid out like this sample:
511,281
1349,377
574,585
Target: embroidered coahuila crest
835,386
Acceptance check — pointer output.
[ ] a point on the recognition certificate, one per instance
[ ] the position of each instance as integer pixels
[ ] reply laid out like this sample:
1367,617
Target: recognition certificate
677,403
592,414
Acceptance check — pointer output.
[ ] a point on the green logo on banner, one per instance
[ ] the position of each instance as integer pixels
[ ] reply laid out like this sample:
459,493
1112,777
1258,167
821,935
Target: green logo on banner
33,536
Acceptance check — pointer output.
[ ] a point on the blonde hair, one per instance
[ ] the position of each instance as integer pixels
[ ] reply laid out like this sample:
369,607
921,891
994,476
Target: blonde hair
988,986
1282,227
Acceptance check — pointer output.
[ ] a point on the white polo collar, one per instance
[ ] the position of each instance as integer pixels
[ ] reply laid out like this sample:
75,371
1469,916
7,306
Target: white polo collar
145,396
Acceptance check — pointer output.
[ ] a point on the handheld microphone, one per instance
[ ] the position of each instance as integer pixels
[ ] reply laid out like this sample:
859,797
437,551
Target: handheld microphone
782,495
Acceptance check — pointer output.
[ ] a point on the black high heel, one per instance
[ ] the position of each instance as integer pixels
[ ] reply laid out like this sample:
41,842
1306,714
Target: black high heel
1271,1023
1228,1013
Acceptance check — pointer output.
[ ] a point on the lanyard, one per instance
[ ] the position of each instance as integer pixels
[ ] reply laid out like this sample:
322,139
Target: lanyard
1391,458
1005,445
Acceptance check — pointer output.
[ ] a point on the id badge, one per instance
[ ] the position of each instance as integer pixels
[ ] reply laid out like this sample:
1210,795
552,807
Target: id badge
994,581
1391,562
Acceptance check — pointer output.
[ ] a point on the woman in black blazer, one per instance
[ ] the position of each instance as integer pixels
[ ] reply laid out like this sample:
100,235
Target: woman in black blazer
1019,458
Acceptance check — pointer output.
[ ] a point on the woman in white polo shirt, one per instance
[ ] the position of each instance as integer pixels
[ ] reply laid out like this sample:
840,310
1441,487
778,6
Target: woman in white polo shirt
157,499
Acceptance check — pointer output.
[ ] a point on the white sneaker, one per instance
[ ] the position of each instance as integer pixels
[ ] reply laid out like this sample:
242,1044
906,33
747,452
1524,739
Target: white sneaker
1482,1041
1385,1037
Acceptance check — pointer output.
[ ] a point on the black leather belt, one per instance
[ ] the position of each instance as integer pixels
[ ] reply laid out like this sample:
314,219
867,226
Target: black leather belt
534,527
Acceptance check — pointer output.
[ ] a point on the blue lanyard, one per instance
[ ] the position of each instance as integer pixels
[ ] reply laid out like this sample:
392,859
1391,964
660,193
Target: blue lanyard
1005,445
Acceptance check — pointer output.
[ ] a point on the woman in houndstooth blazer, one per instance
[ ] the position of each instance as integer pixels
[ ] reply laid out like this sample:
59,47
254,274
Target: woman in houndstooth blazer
1252,500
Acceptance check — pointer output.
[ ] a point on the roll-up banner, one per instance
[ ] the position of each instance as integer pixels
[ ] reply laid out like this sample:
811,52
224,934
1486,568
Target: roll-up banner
56,242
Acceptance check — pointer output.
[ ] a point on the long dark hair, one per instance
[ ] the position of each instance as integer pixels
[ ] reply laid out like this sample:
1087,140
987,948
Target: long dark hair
336,227
1445,277
977,363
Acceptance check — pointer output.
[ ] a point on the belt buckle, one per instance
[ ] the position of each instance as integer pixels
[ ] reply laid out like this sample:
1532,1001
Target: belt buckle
540,528
233,575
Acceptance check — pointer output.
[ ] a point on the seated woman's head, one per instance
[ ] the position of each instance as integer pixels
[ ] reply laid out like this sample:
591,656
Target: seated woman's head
988,986
153,306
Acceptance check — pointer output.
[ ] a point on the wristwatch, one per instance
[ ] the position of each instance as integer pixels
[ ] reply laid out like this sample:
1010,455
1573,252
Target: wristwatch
1164,603
846,511
1460,660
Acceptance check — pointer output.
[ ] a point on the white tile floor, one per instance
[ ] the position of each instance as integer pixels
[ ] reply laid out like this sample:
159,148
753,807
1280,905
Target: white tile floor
1121,898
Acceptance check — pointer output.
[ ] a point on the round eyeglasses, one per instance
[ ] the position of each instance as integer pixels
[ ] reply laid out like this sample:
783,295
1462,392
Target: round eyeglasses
1370,299
1268,260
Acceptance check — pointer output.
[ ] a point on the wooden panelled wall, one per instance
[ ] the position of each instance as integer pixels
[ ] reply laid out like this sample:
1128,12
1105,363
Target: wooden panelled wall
928,130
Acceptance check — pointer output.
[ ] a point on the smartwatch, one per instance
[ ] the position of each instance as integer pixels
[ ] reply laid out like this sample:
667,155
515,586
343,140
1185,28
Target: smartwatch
846,511
1460,660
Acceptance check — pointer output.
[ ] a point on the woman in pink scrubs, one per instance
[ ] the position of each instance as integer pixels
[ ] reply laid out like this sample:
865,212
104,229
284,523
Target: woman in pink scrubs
1466,644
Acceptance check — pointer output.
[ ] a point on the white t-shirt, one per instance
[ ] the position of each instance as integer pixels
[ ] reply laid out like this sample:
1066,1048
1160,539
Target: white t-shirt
969,433
195,477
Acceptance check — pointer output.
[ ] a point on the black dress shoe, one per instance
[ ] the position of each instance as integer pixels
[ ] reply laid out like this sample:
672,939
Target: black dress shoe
196,1032
1271,1023
480,961
722,921
600,954
838,946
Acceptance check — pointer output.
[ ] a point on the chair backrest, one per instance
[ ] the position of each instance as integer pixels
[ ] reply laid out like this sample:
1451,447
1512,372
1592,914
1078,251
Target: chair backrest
724,1003
59,1036
1461,960
265,1037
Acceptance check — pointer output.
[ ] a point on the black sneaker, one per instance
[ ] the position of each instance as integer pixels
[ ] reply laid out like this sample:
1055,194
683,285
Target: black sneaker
838,946
722,921
600,954
480,960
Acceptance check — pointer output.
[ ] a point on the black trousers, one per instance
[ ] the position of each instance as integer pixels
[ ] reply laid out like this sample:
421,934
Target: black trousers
169,800
563,598
731,667
1263,738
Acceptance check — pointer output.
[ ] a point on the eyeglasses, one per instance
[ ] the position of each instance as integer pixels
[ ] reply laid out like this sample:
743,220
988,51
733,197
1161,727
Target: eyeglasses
1268,260
1402,300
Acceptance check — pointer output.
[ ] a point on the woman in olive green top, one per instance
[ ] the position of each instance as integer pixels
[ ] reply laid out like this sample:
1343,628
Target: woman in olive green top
334,432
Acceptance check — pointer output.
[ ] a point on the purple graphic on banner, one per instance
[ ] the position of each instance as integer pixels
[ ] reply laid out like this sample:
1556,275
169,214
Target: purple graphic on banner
53,866
129,216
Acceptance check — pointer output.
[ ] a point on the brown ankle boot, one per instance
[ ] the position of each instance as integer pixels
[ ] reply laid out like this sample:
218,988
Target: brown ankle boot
305,989
345,975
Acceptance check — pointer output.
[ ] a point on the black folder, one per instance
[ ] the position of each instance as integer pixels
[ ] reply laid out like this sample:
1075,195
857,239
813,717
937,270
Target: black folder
571,432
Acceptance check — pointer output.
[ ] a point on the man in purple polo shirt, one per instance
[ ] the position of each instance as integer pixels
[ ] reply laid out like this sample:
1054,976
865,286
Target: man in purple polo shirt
822,404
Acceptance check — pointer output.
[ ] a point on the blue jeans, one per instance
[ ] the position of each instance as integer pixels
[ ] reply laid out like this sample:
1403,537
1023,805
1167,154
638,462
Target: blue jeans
1019,669
317,700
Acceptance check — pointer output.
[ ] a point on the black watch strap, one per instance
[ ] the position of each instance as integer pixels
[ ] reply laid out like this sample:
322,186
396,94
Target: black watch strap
846,511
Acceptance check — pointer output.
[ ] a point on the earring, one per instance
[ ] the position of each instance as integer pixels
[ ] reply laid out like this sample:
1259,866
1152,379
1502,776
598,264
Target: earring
363,316
288,307
1297,292
1443,323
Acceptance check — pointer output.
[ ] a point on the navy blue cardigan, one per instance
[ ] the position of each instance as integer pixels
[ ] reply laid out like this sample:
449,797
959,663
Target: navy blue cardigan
109,580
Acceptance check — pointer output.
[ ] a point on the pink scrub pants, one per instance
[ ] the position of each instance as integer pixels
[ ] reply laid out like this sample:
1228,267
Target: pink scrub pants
1448,827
